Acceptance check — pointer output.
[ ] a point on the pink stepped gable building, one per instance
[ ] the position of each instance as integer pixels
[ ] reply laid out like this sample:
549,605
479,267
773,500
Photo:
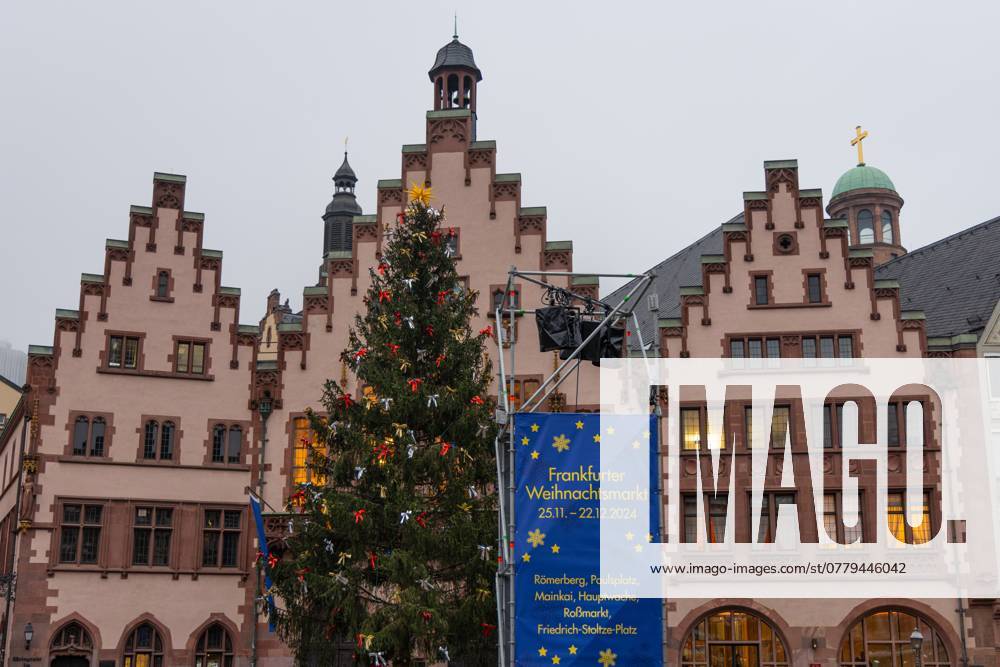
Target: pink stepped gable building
143,425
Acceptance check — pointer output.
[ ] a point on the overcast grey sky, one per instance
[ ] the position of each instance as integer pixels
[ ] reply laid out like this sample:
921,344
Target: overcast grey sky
637,124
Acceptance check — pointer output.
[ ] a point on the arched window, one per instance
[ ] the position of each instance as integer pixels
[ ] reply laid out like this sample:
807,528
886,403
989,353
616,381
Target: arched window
163,284
80,430
143,648
97,437
167,442
218,443
149,439
883,638
72,639
866,227
215,648
887,227
733,637
467,102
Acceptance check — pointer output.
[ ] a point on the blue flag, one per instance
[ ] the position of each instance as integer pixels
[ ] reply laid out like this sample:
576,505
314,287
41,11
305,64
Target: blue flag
560,618
262,541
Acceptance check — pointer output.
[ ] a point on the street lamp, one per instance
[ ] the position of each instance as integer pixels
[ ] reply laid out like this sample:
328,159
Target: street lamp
29,633
264,408
916,643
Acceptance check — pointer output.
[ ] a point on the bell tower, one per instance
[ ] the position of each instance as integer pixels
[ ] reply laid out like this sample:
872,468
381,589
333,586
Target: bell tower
337,227
867,199
455,77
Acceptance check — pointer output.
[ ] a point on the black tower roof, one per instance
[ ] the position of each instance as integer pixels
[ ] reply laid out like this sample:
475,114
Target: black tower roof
454,54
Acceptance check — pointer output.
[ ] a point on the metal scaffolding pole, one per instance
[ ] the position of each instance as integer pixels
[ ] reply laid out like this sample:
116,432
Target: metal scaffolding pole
504,447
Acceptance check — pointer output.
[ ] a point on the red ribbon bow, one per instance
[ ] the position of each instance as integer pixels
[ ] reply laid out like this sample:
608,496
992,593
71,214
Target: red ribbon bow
362,352
347,400
430,330
444,448
442,295
486,331
415,384
426,615
422,519
272,561
393,348
384,295
488,629
476,400
439,360
372,557
359,516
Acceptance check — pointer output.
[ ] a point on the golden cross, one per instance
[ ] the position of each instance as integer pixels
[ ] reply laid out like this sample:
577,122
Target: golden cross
856,141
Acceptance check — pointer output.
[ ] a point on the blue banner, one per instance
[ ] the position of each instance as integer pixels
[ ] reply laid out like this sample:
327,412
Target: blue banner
561,619
262,543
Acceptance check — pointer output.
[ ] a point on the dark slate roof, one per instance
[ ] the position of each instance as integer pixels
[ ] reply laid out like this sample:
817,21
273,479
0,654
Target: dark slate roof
955,281
455,54
345,172
681,269
290,318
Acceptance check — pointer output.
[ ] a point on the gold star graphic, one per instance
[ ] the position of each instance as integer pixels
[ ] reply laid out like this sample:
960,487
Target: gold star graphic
572,649
597,438
536,537
534,455
638,548
579,425
649,537
555,660
526,557
629,535
525,440
543,651
534,428
635,444
555,548
611,430
645,434
608,659
560,443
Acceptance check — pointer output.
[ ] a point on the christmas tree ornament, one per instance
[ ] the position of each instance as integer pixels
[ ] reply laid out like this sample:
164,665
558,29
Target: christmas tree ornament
432,400
386,403
422,519
343,557
405,516
409,283
393,348
410,450
329,546
409,321
359,472
359,516
443,653
488,629
415,384
272,561
473,493
377,659
429,330
445,447
340,579
419,193
439,360
384,296
425,584
486,332
346,400
484,551
426,615
476,400
372,559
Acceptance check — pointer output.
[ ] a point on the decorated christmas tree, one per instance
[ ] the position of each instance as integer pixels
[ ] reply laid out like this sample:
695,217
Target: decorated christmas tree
393,547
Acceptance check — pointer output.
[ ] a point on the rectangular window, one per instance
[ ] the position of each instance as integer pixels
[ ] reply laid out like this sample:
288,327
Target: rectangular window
846,344
305,441
736,349
221,538
780,425
521,389
151,533
898,525
826,347
123,352
827,426
748,426
893,424
691,428
716,525
760,287
815,288
756,350
80,533
773,348
189,357
809,348
830,518
769,511
690,519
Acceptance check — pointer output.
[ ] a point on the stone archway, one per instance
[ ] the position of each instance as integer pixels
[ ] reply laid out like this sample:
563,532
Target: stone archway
72,646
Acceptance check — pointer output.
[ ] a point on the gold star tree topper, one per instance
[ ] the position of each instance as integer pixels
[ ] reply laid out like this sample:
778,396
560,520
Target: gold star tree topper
420,193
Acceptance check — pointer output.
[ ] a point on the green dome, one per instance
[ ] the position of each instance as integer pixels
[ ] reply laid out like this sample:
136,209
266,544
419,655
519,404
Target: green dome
861,178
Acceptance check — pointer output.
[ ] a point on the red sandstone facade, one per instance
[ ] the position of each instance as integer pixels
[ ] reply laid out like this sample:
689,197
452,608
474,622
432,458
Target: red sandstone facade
135,546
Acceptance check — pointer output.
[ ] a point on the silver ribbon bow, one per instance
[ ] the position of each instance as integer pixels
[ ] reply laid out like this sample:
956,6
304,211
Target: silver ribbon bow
378,659
448,250
359,472
409,282
340,579
409,321
386,404
484,552
410,451
443,653
405,516
473,493
432,400
426,584
329,546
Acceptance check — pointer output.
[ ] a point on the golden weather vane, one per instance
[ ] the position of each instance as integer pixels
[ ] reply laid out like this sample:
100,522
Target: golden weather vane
860,135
